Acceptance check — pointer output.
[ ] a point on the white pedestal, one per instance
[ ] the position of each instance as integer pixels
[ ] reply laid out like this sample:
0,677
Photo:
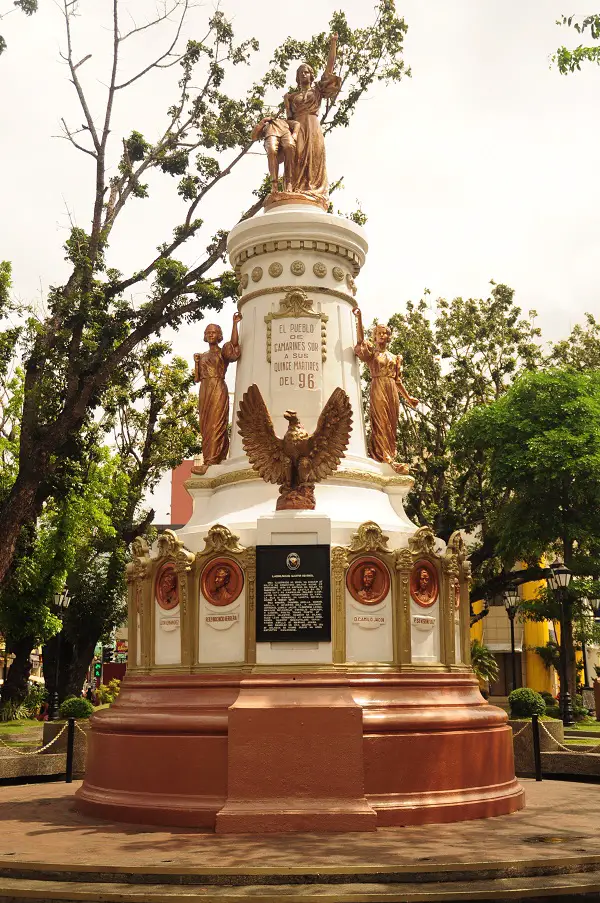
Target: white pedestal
301,528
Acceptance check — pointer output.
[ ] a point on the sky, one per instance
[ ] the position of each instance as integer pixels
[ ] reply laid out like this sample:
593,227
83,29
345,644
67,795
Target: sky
481,166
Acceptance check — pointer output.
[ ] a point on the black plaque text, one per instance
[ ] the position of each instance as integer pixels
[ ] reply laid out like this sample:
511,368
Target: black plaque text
293,601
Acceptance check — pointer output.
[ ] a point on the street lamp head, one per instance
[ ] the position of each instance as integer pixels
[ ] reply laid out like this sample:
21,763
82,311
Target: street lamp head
511,598
595,605
561,575
62,599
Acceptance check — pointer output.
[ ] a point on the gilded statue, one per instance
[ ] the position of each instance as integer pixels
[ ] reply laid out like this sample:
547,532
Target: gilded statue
297,461
213,397
386,388
298,140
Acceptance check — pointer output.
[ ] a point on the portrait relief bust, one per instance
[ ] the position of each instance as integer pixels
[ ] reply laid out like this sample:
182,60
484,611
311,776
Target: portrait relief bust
424,584
368,580
167,588
222,581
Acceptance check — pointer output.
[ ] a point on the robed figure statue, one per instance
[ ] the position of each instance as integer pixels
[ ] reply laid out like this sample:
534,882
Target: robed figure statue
213,398
298,140
386,387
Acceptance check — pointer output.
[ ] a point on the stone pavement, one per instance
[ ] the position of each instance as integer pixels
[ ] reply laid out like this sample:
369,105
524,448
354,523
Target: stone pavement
551,849
39,825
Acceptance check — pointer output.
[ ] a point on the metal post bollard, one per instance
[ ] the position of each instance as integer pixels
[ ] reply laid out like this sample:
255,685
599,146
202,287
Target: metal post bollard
537,756
70,745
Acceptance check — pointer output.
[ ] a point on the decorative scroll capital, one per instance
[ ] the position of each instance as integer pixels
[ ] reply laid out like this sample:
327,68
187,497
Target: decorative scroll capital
139,567
220,539
404,560
339,558
369,538
422,542
457,545
170,546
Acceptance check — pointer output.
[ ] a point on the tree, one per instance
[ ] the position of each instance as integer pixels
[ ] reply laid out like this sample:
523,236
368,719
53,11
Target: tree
94,326
458,354
541,445
570,60
581,350
29,7
85,528
154,422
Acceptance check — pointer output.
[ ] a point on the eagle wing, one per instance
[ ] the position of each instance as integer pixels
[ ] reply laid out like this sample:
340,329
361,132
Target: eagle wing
329,442
264,449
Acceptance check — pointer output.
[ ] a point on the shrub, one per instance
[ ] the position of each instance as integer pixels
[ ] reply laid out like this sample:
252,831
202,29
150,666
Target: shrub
107,693
76,707
525,702
547,697
553,711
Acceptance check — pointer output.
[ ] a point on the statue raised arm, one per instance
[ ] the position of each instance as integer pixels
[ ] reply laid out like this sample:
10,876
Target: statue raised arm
386,387
213,399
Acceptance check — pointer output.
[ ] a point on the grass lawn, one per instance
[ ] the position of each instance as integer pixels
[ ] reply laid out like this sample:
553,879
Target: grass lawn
581,741
587,726
12,727
25,732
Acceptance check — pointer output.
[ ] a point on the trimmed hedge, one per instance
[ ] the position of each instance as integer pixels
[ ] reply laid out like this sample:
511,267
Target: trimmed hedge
525,702
76,707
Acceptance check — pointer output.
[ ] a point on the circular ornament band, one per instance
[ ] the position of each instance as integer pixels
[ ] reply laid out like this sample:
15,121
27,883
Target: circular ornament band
167,588
222,581
368,580
424,588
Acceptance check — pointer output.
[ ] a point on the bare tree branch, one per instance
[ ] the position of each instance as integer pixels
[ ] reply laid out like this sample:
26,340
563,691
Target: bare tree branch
163,56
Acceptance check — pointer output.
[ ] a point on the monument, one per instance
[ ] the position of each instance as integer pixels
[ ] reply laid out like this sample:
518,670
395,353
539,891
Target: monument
299,656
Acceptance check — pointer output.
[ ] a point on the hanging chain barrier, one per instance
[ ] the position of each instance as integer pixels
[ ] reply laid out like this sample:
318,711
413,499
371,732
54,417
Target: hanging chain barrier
35,752
69,726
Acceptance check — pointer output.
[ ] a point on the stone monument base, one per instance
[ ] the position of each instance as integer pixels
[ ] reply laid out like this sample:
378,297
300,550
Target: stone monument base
179,749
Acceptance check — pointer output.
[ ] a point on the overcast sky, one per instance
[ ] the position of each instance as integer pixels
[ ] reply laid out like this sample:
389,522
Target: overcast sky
483,165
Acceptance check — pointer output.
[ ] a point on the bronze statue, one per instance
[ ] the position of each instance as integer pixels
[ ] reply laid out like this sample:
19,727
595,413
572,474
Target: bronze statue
297,461
213,398
280,144
386,386
299,138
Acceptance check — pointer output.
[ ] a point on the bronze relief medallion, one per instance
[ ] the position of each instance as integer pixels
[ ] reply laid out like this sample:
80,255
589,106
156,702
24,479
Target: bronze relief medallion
368,580
222,581
167,588
424,583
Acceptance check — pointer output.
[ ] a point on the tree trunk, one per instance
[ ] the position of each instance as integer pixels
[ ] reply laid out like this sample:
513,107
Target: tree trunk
16,686
21,506
76,658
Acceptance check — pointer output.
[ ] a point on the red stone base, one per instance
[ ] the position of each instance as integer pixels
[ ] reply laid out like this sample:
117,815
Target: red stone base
258,753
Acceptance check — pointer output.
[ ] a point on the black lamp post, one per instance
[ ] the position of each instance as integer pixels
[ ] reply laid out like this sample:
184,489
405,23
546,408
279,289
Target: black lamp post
61,603
595,606
559,579
511,604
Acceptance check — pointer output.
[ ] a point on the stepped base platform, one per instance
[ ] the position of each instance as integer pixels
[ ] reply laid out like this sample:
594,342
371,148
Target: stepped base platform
548,851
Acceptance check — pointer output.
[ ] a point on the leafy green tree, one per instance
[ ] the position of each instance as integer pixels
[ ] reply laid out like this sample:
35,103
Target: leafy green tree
541,446
95,325
460,354
29,7
483,662
568,60
581,350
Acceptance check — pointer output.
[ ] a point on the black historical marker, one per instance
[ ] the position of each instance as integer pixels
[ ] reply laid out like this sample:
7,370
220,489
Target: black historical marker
293,600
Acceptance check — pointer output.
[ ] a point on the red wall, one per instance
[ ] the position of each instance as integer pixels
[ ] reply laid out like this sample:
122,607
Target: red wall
181,502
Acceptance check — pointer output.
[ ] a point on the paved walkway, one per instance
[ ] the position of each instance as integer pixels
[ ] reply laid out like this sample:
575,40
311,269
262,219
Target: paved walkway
39,825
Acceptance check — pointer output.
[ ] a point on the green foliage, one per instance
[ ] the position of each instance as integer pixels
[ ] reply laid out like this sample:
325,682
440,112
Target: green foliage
107,693
553,711
76,707
548,698
458,355
483,662
570,60
541,443
525,702
550,655
581,350
29,7
28,707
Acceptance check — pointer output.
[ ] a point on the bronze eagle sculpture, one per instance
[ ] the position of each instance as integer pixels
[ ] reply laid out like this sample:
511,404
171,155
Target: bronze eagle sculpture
297,461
